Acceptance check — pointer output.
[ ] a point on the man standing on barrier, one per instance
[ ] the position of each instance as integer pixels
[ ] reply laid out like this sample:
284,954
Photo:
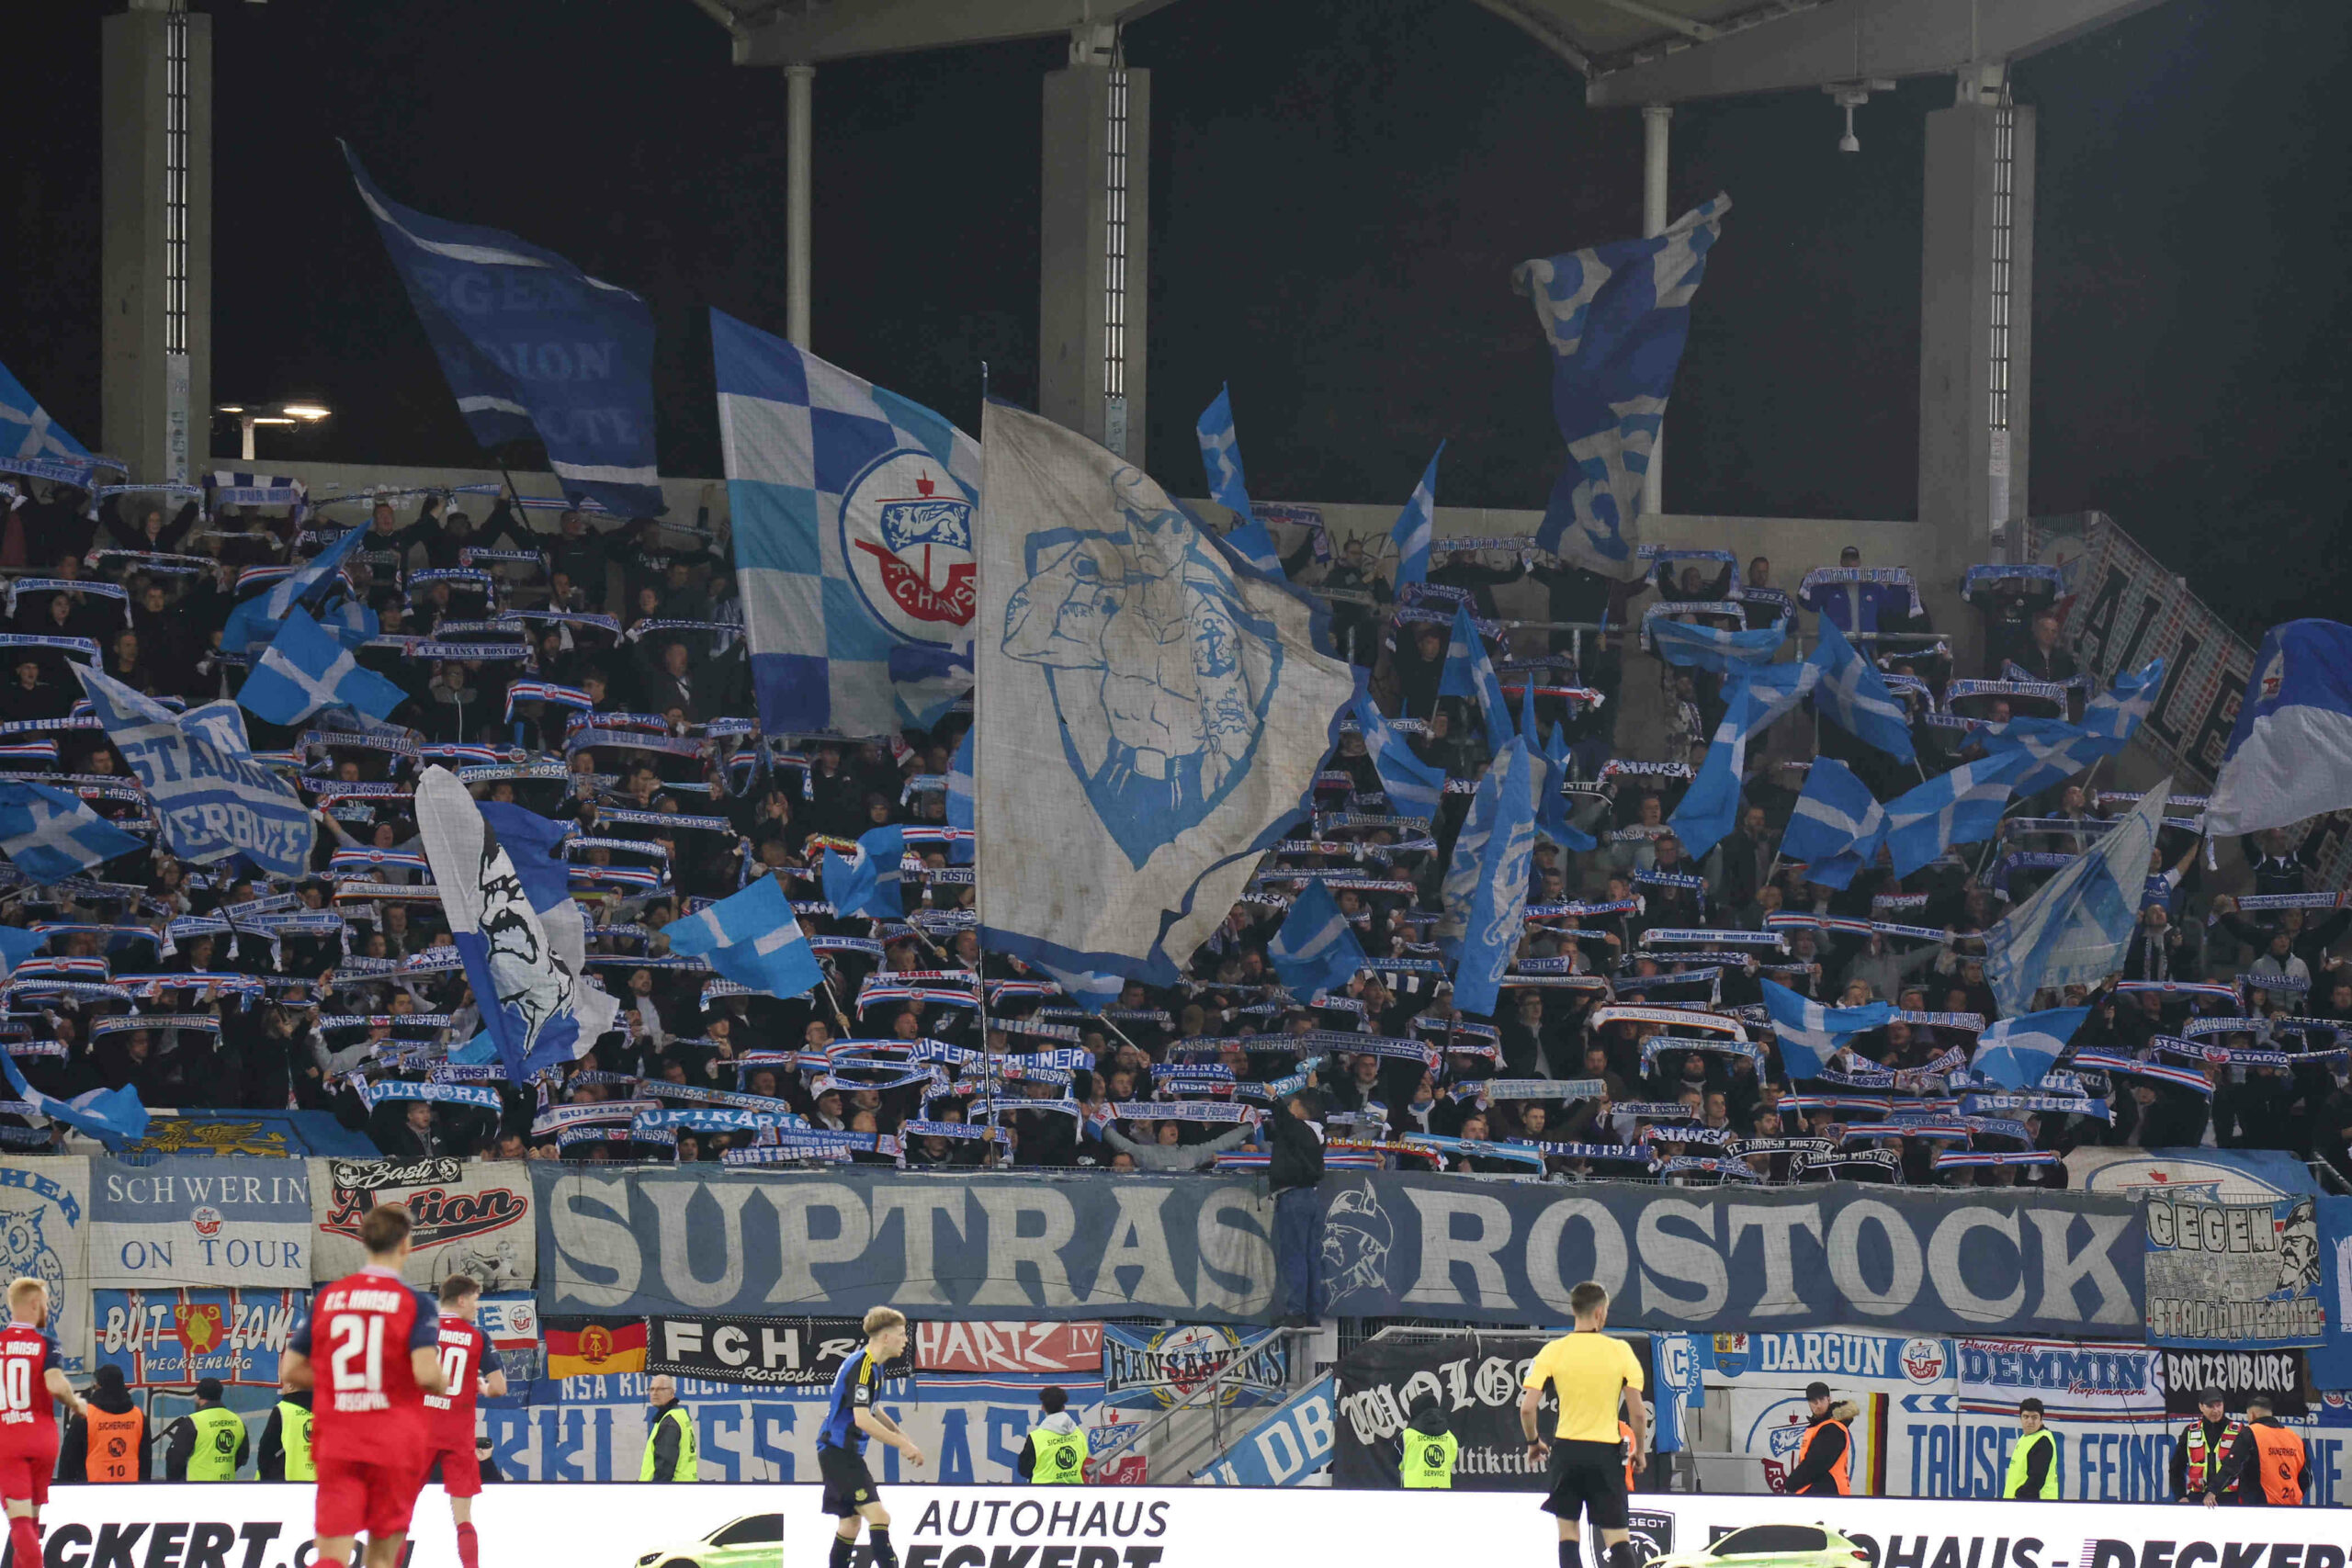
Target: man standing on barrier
1593,1375
1295,1165
2210,1461
2034,1463
853,1416
2284,1469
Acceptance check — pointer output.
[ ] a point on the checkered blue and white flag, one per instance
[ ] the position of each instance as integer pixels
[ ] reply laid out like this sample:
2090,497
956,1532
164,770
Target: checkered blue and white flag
49,835
753,940
306,670
854,512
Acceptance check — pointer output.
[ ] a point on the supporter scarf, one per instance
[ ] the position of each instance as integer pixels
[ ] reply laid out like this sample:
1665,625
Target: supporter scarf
1587,1151
2116,1061
639,631
1362,1046
1168,1111
2249,981
1855,928
1877,576
1971,1022
2042,691
2181,988
696,1095
711,1119
374,1094
386,1021
1850,1159
1713,1137
169,565
1671,879
1879,1105
961,1131
1273,1090
792,1146
2241,1056
1536,1088
1660,1110
556,1118
1700,1165
1967,1159
200,1021
1781,1146
1475,1148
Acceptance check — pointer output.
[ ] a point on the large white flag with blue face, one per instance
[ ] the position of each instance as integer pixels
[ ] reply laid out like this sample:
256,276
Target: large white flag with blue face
2072,931
539,1009
1851,694
1617,317
1316,949
1810,1034
1961,807
2290,751
213,803
753,939
532,346
1496,917
306,668
1836,827
852,514
1147,718
33,442
49,835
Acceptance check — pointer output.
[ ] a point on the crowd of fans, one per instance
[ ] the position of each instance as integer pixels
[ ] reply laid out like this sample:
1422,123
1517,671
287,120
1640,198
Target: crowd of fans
597,674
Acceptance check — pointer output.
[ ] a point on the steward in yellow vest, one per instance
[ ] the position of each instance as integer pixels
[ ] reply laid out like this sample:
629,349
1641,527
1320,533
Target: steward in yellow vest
1055,1454
1430,1448
2034,1463
669,1439
209,1443
286,1453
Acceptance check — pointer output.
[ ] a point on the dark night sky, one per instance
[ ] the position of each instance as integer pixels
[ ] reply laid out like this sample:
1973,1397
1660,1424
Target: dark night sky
1339,189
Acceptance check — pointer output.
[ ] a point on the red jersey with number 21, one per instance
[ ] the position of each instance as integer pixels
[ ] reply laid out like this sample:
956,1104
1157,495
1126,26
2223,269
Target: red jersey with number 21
449,1417
367,1408
28,1413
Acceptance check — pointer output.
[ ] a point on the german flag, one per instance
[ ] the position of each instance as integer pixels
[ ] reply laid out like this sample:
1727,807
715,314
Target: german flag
591,1347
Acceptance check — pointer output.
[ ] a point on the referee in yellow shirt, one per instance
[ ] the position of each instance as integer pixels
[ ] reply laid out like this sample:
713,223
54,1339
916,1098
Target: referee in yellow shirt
1594,1375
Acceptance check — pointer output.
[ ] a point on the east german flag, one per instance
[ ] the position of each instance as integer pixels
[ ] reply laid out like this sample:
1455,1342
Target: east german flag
591,1347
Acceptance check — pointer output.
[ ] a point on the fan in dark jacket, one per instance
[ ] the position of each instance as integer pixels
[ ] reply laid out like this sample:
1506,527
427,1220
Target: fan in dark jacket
1296,1148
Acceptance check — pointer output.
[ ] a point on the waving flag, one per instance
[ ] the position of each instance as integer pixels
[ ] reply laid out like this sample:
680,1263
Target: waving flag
1413,786
214,799
854,511
1315,950
870,884
1852,695
2072,931
959,801
33,443
306,670
255,621
1711,805
1414,526
1836,827
532,348
114,1116
48,834
2059,751
2290,751
1811,1033
1961,807
2016,1052
1688,644
1151,717
1617,317
1221,456
1496,914
1469,672
1551,801
539,1008
753,940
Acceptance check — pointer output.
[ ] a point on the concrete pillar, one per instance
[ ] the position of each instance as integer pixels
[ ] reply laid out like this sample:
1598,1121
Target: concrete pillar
1656,119
1093,241
156,256
800,84
1976,325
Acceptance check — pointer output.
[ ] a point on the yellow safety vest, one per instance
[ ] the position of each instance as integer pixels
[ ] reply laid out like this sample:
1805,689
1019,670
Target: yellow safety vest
1429,1462
1061,1457
217,1433
686,1468
2018,1459
294,1436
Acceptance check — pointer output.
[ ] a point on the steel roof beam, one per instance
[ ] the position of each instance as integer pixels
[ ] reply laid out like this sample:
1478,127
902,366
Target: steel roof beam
851,31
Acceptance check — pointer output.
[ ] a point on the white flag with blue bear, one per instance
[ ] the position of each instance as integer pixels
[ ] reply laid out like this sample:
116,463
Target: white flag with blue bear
1148,720
1617,316
853,513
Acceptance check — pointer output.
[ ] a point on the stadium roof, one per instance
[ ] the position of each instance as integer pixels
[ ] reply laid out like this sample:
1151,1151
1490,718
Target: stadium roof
1630,52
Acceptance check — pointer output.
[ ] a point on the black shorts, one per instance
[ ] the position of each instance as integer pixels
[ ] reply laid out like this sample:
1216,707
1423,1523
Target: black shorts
1586,1479
849,1485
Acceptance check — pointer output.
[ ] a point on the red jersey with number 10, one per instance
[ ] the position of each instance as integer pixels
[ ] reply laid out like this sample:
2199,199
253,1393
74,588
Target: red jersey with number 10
367,1408
449,1417
28,1413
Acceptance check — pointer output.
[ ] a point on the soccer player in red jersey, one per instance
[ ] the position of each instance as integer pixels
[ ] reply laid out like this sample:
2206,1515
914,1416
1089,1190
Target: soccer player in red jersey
464,1350
29,1382
370,1350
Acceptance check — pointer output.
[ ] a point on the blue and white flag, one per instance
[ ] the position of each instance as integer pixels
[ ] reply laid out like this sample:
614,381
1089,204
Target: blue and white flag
959,800
1495,914
1315,950
2059,751
1469,672
1617,317
36,443
255,620
17,944
2116,713
1852,695
1711,805
1836,827
1415,524
1413,788
927,683
2016,1052
1961,807
2074,931
111,1115
1551,801
532,348
535,844
542,1011
869,884
1221,454
2290,751
1149,717
1688,644
50,835
753,940
214,803
1810,1034
306,668
853,512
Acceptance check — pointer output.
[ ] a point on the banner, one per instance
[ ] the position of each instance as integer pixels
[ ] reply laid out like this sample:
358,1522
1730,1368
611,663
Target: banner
656,1241
1008,1346
44,1235
774,1353
1155,1369
470,1218
2225,1175
269,1132
1293,1443
173,1339
1475,1381
513,1324
200,1222
2236,1276
2073,1381
2239,1374
1933,1262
